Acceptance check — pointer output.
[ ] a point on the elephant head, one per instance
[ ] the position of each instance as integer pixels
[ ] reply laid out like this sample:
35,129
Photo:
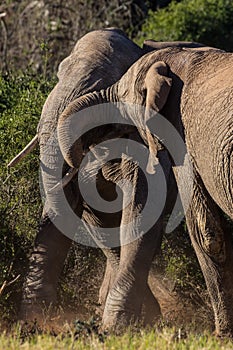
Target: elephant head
98,60
146,84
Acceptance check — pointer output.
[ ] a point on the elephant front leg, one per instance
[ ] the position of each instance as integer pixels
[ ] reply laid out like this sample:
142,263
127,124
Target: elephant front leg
213,247
112,265
46,262
124,302
130,289
151,308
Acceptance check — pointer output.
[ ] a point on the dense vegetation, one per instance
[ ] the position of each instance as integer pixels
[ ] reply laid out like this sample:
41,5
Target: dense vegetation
21,99
35,37
205,21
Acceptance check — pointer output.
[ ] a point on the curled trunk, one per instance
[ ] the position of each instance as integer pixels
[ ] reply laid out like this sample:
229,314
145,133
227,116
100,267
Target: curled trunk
88,120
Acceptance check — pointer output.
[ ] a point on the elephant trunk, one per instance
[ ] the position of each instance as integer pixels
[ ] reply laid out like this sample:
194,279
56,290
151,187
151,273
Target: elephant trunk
78,118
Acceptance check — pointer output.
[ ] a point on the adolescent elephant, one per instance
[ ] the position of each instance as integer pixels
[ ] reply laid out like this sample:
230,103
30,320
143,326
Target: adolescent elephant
97,61
192,89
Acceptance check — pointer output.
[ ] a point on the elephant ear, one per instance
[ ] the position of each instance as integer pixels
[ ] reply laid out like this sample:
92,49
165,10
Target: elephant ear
157,86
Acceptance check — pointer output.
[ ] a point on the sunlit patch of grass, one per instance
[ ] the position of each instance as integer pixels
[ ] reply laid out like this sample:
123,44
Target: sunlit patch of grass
167,338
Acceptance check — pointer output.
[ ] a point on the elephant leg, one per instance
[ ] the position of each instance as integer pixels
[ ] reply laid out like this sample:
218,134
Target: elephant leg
125,299
213,247
112,264
130,289
151,308
94,221
46,263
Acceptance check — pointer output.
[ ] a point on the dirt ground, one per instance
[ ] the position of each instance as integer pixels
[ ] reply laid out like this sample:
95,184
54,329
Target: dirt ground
177,310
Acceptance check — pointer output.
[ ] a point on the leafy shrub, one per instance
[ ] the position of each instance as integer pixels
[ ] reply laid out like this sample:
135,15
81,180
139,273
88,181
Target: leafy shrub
205,21
21,100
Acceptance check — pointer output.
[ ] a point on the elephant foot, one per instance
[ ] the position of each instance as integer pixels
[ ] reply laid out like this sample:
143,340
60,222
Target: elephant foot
122,310
118,315
46,262
118,322
37,304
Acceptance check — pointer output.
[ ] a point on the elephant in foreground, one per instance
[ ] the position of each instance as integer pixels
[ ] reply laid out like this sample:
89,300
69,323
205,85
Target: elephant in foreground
97,61
193,90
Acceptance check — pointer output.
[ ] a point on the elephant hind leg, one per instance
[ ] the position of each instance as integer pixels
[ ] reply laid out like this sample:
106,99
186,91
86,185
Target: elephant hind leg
214,251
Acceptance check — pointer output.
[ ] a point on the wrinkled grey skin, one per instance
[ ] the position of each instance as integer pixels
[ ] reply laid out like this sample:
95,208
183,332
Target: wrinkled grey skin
199,105
148,85
98,60
203,87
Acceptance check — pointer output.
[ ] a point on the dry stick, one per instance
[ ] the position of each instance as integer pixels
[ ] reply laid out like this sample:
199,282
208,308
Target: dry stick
30,146
7,284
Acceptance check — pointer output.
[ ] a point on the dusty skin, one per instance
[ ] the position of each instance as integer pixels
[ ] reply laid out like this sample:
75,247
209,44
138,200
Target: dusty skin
171,81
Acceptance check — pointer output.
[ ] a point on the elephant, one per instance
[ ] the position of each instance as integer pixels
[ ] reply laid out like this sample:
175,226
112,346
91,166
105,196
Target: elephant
97,61
192,89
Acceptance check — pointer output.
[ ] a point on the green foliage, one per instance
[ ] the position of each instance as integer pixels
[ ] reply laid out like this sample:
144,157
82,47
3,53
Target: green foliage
205,21
168,338
21,100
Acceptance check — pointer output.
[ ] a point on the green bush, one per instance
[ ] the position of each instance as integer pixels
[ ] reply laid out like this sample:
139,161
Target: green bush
205,21
21,100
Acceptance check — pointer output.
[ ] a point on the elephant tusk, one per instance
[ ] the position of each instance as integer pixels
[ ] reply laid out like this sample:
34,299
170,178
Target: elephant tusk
30,146
64,181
